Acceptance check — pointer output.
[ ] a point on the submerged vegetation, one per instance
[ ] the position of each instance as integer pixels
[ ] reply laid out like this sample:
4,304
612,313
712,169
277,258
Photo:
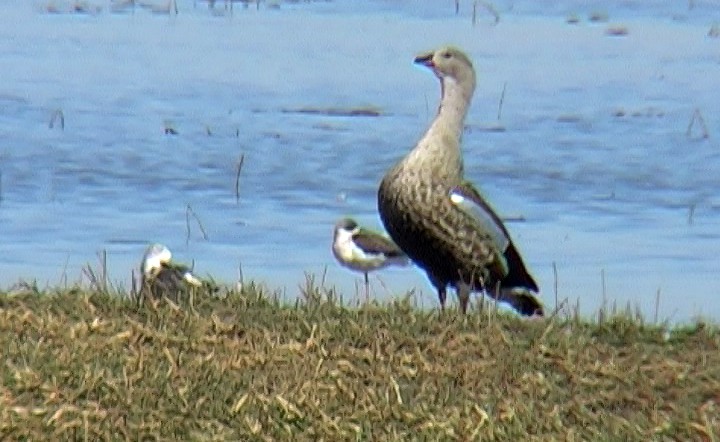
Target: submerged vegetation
244,365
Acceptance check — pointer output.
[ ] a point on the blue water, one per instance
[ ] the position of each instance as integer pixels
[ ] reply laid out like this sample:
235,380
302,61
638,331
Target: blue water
594,155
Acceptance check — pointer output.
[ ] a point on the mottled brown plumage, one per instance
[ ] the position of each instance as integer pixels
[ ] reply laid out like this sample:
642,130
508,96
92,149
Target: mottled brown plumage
437,218
160,276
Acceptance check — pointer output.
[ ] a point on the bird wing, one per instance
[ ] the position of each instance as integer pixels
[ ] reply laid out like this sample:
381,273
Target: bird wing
183,272
167,281
469,200
374,243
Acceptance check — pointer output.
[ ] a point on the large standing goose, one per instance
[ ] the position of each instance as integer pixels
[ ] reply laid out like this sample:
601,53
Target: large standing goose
438,218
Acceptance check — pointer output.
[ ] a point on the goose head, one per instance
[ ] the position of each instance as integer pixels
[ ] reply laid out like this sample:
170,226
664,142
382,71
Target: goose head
450,64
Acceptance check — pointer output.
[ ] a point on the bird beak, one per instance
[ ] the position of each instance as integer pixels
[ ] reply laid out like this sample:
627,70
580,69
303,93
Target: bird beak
425,60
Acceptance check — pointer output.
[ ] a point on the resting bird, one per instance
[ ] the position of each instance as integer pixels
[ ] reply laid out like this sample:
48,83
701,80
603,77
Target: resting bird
162,277
438,218
364,250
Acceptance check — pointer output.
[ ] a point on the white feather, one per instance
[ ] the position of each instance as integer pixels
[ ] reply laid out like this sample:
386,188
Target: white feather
155,257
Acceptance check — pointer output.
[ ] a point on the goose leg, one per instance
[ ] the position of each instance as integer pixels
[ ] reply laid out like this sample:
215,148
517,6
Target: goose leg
442,295
441,290
463,292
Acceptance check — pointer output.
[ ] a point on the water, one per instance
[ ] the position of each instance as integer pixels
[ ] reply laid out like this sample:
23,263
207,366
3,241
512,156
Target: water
594,155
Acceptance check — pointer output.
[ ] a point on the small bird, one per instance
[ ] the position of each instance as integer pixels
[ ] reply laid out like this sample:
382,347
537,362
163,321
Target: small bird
438,218
363,250
162,277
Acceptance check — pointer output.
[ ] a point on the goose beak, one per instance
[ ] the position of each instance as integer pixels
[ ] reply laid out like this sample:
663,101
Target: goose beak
425,60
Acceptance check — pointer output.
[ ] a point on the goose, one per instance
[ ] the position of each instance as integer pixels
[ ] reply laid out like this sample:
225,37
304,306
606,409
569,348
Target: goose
363,250
438,218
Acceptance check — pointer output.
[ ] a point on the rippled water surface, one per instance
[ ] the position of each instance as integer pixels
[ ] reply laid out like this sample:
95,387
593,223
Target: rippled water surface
595,153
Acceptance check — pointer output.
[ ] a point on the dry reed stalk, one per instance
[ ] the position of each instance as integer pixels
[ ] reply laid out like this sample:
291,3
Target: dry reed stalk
502,100
697,116
691,214
238,169
241,280
555,282
98,282
188,212
488,7
57,115
602,311
102,256
63,275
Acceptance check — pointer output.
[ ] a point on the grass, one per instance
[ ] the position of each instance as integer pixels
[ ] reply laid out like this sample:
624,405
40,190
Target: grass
88,364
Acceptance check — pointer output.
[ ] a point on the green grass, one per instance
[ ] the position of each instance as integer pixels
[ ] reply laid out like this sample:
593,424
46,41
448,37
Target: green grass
82,364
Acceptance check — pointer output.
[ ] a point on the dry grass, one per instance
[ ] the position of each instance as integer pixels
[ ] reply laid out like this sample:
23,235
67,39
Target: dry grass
91,365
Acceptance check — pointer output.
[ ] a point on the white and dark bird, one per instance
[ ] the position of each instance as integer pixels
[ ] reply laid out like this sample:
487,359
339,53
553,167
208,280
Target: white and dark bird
363,250
160,276
438,218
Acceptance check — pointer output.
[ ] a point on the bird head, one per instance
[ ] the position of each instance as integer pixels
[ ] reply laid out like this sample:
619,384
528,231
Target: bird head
155,257
450,63
346,224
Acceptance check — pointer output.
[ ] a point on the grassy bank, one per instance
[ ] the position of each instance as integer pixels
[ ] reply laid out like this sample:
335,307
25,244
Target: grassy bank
88,365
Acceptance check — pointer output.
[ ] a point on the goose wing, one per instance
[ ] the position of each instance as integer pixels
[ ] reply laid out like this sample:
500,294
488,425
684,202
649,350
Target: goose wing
469,200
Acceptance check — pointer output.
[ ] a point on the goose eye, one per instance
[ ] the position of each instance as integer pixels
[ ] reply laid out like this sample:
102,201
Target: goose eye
446,55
